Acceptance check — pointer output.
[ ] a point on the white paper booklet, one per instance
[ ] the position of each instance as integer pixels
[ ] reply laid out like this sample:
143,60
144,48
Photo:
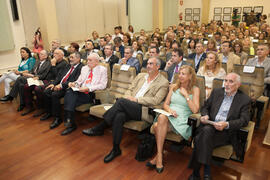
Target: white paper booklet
161,111
35,82
107,107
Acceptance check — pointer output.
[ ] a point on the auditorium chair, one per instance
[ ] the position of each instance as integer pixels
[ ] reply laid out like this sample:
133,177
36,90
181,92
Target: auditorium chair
140,58
171,136
224,66
245,133
256,79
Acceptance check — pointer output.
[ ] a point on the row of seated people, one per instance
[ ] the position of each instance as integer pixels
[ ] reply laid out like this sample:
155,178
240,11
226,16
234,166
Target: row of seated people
139,93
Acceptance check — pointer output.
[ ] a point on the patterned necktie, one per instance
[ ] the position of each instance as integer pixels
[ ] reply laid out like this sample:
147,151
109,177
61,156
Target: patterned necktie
89,79
66,77
176,68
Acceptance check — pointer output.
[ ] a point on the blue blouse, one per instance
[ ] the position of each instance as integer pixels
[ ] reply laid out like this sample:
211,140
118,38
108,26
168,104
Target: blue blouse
27,65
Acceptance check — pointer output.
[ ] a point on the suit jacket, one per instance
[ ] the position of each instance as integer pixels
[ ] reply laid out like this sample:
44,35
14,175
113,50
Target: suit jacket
154,95
232,59
72,77
42,71
266,65
55,70
193,55
171,70
238,115
113,59
133,62
99,80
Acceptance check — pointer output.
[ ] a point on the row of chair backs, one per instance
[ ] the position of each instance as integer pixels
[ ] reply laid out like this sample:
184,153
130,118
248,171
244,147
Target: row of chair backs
256,79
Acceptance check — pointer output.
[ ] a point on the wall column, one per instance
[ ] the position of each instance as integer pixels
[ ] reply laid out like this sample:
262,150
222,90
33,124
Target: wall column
157,14
205,11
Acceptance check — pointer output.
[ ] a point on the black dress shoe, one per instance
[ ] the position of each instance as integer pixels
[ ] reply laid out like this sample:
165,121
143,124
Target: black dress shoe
150,165
92,132
45,116
207,177
57,121
113,154
193,177
29,110
6,98
68,130
39,113
20,108
159,170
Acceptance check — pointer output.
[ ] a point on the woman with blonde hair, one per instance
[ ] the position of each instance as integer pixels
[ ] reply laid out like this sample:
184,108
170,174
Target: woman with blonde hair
210,70
181,101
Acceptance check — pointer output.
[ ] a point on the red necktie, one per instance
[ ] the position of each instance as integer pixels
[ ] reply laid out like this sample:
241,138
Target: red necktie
65,79
89,79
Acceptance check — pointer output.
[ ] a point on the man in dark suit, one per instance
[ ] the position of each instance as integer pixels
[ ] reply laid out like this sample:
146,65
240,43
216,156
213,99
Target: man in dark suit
198,56
57,89
109,56
228,110
177,59
153,52
89,48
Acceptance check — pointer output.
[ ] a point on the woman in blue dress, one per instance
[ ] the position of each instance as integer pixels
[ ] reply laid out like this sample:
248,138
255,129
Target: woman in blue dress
25,66
181,102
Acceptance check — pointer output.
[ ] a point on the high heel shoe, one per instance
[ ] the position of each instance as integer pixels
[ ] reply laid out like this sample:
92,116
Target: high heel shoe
6,98
150,165
159,170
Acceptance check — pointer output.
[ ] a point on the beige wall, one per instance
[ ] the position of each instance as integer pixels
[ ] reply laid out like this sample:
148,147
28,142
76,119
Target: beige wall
11,59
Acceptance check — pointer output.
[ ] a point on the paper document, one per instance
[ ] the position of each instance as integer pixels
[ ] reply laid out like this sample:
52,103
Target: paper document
249,69
35,82
75,88
210,122
161,111
107,107
124,67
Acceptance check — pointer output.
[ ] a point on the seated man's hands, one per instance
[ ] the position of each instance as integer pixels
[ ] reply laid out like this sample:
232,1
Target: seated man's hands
132,98
57,87
83,89
204,119
220,125
71,84
51,86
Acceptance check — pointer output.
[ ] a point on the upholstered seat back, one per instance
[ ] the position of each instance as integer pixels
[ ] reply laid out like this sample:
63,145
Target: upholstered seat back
256,79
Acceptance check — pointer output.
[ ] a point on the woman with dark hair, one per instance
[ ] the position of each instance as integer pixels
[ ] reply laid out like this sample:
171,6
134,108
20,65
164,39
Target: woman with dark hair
238,50
126,39
26,65
74,47
181,101
191,46
211,45
130,31
37,42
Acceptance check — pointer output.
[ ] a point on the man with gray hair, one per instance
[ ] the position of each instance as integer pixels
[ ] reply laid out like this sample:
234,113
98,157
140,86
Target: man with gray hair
147,89
129,60
57,89
224,112
93,77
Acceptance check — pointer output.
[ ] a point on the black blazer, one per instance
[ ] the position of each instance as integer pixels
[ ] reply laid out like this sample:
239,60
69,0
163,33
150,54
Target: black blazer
42,71
193,55
238,115
113,59
55,70
73,76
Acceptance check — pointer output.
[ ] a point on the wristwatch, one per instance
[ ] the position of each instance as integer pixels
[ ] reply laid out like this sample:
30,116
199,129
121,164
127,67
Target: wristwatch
187,98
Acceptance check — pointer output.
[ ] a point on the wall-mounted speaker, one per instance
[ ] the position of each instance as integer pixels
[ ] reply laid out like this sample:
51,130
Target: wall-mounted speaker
14,9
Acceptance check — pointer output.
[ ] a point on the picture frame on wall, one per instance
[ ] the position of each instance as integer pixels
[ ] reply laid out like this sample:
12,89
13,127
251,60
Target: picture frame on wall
217,17
217,10
188,11
196,10
227,18
258,9
247,10
227,10
188,17
196,17
239,9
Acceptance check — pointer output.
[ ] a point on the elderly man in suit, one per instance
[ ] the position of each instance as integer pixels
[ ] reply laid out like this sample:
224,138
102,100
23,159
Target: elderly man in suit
228,110
147,89
177,59
93,77
109,56
228,57
198,56
57,89
129,60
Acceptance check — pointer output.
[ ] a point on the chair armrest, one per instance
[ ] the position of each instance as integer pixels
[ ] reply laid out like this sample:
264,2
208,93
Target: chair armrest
103,95
193,121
